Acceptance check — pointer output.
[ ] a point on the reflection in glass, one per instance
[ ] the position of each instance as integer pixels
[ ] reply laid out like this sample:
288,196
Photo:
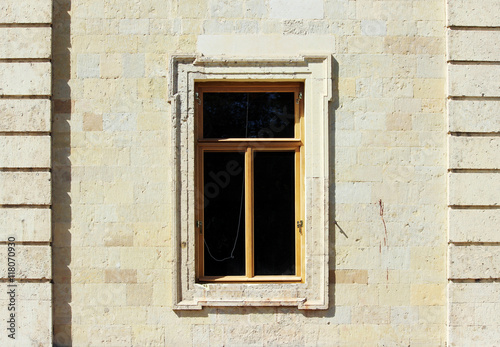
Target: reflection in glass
274,213
248,115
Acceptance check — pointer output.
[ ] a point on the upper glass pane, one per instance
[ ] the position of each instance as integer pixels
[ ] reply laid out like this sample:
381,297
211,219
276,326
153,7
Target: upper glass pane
248,115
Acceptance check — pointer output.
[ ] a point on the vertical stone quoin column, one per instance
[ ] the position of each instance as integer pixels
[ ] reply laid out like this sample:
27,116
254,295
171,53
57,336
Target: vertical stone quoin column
25,172
473,56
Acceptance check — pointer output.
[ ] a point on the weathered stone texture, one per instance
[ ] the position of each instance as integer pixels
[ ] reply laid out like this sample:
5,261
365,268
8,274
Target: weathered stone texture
32,262
32,188
474,13
33,314
474,152
474,225
26,11
25,43
25,152
25,78
473,45
25,224
24,115
474,262
474,189
474,115
474,80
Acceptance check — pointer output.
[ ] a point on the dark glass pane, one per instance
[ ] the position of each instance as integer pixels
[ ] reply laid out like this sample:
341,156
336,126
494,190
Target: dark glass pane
274,213
224,227
248,115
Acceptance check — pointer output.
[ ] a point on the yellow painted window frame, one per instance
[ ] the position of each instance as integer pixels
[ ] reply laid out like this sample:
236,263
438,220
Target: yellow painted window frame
249,146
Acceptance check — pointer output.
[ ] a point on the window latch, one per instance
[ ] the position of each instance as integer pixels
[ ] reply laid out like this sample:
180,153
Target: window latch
199,225
300,224
197,98
299,98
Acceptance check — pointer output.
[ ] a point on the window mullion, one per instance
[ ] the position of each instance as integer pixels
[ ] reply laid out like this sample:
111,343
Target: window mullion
249,252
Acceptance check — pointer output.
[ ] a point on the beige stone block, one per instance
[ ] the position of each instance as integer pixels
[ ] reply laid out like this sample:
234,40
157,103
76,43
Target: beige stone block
32,188
26,11
474,225
111,65
25,151
474,115
474,335
25,224
476,292
120,276
474,152
24,115
472,188
33,314
474,80
478,45
25,43
25,79
349,276
474,262
31,262
428,88
428,294
474,13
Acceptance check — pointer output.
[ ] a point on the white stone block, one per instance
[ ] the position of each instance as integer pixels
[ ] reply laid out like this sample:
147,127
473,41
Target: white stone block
133,65
474,225
470,188
87,65
26,11
25,79
31,262
25,224
478,45
474,12
474,262
25,152
474,335
373,27
474,152
25,43
474,115
269,45
32,188
296,9
33,314
474,292
474,80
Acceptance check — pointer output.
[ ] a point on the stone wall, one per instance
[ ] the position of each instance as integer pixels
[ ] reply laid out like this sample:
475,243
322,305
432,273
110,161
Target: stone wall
25,177
112,184
474,162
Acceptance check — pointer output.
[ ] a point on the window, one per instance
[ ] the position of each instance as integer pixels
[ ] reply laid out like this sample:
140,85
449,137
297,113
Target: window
249,149
240,139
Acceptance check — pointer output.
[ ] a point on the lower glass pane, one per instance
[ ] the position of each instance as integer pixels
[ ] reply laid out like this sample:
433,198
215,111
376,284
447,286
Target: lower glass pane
224,211
274,213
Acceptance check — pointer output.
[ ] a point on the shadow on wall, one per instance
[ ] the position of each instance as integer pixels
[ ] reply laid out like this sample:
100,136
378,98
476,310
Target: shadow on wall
61,174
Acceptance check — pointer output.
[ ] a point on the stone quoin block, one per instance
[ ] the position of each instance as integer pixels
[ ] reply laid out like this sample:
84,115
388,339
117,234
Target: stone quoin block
25,152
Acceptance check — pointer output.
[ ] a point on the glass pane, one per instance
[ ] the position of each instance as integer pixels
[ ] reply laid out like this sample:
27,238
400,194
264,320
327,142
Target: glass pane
248,115
224,210
274,213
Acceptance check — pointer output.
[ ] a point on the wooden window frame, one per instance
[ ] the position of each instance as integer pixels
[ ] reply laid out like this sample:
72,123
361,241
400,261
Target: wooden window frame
249,146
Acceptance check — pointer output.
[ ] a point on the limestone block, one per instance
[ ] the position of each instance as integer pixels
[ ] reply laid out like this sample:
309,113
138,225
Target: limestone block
474,152
25,224
474,188
474,80
471,293
25,42
269,45
24,115
25,151
475,335
25,188
474,12
476,45
474,115
474,262
25,79
296,9
31,262
33,314
474,225
26,11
